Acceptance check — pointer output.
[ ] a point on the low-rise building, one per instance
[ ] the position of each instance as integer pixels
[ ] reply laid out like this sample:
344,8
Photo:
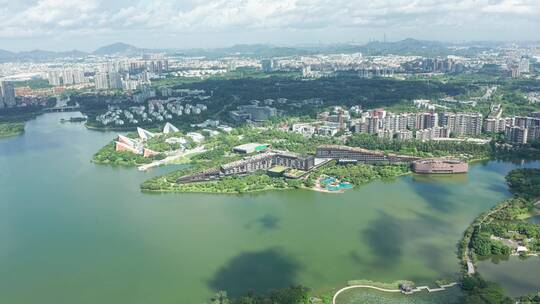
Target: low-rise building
263,161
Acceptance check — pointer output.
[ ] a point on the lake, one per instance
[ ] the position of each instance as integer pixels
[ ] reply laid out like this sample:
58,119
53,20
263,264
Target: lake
75,232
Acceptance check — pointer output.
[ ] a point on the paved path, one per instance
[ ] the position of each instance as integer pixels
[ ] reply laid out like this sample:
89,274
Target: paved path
419,288
171,158
361,286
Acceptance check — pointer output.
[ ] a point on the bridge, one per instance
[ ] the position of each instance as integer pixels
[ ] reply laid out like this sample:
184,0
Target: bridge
63,109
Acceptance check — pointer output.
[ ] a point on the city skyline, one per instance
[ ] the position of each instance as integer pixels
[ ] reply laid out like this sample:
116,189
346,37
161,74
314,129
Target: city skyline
86,25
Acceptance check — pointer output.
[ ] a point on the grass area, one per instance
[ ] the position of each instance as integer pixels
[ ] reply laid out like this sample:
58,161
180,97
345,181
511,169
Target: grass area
277,169
34,84
184,160
393,285
11,129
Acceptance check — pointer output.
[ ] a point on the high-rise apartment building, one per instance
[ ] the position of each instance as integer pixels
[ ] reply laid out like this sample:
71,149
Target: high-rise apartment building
8,93
494,125
102,81
78,76
516,135
115,81
54,78
463,124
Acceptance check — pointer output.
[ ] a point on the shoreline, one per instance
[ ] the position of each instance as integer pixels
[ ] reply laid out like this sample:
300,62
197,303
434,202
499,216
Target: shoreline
13,134
164,191
101,129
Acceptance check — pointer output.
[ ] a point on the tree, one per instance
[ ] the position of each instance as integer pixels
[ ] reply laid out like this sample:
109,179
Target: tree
220,298
479,291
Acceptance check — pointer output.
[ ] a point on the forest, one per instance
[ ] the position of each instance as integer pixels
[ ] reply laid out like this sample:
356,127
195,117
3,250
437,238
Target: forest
524,182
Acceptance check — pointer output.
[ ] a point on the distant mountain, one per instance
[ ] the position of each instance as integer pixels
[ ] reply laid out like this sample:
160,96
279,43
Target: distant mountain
6,55
406,47
119,49
39,55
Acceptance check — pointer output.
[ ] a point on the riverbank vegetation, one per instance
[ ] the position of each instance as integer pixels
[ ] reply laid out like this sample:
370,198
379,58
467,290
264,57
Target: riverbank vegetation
11,129
109,156
530,299
479,291
524,182
290,295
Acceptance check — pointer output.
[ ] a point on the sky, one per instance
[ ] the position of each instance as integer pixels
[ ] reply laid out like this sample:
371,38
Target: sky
88,24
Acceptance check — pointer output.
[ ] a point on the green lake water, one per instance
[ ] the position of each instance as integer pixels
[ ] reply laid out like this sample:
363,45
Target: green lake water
75,232
516,275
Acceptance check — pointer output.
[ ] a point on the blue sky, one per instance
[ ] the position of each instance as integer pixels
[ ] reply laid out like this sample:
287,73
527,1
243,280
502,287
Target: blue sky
88,24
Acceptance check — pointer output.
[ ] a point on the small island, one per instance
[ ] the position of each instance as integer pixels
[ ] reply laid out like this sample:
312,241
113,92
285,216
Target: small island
10,129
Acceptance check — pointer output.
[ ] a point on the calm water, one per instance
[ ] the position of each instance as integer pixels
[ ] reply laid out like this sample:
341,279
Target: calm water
75,232
517,276
535,219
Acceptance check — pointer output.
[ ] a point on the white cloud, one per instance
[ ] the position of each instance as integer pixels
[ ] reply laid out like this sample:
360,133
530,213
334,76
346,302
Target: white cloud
43,18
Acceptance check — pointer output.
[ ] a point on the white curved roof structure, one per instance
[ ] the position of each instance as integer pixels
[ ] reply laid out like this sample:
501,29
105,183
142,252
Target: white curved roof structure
169,128
144,134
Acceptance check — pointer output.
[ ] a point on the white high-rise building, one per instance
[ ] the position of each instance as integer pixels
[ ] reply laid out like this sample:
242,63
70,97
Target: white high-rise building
8,93
463,124
54,78
67,77
101,81
524,66
78,76
1,100
115,81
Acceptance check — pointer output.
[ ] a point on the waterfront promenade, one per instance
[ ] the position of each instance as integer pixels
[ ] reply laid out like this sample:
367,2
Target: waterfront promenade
417,289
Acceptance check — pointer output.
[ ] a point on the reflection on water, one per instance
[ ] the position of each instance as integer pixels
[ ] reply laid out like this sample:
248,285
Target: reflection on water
518,276
534,219
440,178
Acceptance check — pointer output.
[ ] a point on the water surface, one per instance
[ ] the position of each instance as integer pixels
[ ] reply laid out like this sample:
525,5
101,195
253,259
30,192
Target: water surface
75,232
516,275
